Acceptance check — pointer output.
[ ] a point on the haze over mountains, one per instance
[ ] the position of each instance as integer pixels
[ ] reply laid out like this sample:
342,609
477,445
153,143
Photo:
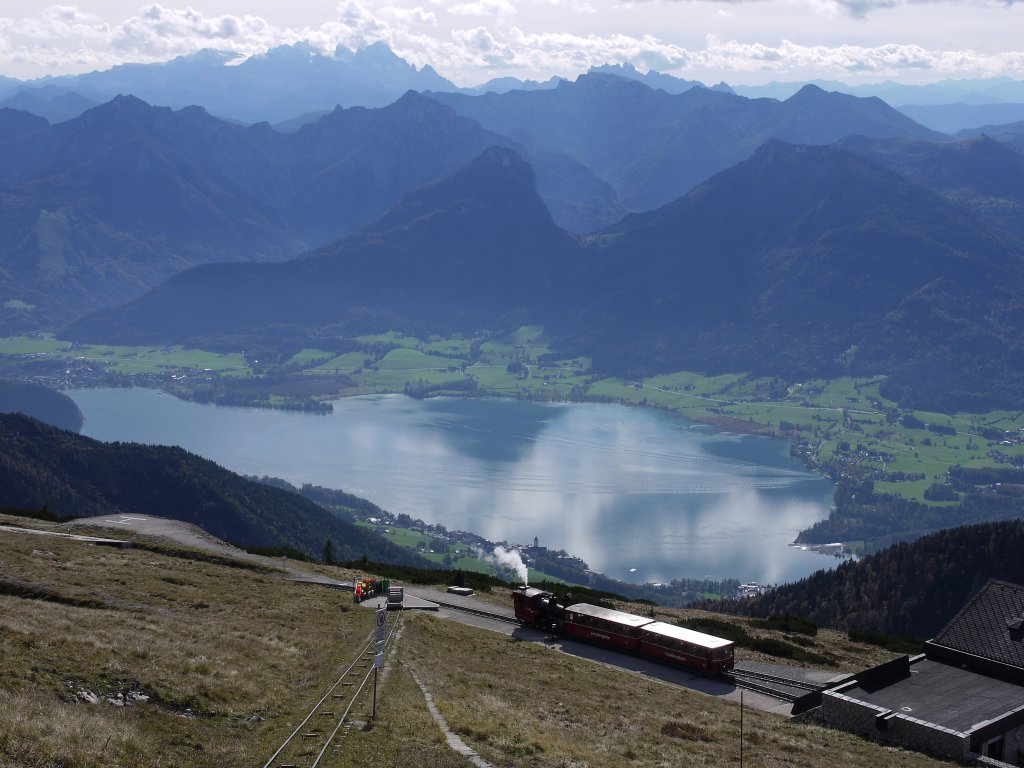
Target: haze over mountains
283,83
291,81
653,147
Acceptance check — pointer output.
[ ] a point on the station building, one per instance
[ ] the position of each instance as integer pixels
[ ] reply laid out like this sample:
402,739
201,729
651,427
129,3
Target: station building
963,698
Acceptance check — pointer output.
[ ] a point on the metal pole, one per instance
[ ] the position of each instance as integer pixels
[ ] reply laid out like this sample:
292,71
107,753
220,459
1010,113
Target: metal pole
741,729
374,693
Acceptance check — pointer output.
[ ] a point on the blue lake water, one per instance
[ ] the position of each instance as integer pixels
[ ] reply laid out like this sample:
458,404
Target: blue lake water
639,494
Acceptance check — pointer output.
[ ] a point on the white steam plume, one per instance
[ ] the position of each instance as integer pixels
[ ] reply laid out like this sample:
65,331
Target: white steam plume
507,558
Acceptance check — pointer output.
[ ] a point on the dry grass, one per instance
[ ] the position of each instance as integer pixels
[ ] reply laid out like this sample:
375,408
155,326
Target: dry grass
520,704
230,657
226,656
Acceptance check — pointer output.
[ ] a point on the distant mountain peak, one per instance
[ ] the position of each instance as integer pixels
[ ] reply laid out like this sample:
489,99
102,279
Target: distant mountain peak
810,91
380,55
296,51
625,69
209,56
497,178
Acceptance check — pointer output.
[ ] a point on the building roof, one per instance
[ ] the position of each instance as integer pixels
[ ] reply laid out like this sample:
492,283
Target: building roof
989,625
943,694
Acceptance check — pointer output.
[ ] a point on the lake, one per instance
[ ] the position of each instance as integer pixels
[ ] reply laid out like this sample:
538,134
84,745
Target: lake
641,495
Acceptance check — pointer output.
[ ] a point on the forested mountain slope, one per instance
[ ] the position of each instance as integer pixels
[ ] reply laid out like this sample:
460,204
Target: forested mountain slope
39,402
77,476
908,589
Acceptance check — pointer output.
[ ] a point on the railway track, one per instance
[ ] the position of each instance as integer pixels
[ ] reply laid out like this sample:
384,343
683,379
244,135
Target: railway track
784,688
311,740
477,612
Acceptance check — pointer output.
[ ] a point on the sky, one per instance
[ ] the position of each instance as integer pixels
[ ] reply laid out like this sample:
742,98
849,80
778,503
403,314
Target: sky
471,41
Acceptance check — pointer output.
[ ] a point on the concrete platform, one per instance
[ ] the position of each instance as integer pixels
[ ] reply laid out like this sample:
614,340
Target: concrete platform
414,603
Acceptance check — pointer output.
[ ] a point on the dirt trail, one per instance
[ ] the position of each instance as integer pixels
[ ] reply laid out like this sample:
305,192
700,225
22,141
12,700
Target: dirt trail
192,536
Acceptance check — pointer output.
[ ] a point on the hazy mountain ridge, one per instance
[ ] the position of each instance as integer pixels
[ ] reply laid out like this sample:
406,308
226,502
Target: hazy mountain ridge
984,174
292,80
810,259
283,82
950,118
652,146
440,259
968,91
53,103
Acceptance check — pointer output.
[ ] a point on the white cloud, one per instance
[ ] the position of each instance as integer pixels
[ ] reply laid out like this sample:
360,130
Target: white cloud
417,15
480,47
63,38
855,8
483,8
889,60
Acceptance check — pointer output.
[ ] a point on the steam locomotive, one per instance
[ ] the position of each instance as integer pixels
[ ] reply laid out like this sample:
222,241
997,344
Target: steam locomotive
622,631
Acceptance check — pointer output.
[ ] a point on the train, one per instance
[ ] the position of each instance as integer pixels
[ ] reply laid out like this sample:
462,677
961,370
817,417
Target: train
621,631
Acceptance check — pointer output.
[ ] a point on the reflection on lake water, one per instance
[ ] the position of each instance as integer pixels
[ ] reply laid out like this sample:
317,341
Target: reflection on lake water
623,488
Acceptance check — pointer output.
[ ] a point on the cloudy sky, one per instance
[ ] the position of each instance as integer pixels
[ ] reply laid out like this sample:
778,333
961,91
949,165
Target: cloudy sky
471,41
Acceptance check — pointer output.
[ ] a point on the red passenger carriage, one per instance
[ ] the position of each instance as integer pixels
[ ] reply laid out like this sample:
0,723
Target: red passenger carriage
604,626
685,647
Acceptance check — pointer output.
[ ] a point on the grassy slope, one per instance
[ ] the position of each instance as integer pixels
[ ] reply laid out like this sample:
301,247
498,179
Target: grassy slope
248,653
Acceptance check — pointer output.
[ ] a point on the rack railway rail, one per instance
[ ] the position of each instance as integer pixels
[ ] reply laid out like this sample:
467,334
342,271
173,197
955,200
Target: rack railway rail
784,688
501,617
313,737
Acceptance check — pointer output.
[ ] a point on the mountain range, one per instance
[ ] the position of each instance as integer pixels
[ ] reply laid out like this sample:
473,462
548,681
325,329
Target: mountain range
291,81
101,207
800,261
983,173
275,86
652,146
